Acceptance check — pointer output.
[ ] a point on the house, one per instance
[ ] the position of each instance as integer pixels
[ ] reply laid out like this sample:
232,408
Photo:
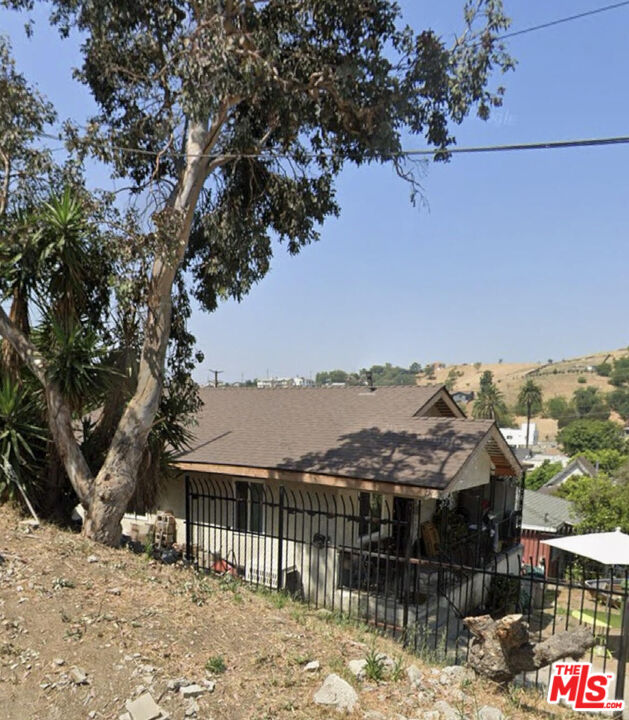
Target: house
349,497
578,467
463,398
516,437
545,516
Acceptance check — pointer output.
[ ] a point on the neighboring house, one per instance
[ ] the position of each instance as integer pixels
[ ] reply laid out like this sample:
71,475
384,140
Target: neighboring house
462,398
580,466
516,437
349,497
532,460
543,517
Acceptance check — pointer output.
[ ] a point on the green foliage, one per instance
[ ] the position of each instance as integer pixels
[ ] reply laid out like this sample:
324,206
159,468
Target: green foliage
582,380
590,403
601,503
541,474
607,459
557,407
375,668
582,435
216,664
381,375
620,374
453,376
618,400
23,437
604,369
486,380
489,403
530,399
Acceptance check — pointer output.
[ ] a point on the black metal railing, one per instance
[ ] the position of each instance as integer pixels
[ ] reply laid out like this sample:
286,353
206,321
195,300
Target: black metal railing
324,550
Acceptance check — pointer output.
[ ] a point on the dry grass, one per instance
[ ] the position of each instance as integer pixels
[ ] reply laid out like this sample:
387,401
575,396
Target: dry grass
559,379
129,622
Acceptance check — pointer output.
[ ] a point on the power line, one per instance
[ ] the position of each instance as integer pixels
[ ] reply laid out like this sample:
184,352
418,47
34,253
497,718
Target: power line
421,152
561,21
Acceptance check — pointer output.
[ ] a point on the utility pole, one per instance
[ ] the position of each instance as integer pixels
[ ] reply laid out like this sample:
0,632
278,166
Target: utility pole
216,374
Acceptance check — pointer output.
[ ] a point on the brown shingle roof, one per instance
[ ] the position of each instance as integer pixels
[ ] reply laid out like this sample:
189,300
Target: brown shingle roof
349,432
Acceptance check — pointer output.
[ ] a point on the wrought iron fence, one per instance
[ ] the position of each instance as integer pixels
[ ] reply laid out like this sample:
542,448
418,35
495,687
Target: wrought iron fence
371,563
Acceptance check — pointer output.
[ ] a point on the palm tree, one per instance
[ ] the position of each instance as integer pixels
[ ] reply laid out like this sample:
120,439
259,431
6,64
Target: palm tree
530,395
489,404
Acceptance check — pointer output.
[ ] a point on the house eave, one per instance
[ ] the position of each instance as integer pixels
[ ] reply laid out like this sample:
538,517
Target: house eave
309,478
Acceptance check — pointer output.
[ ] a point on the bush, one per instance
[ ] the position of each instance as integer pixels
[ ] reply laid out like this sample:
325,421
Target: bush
541,475
582,435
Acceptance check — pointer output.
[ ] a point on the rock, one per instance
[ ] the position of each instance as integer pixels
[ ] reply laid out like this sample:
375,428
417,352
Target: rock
174,685
487,712
431,715
114,591
209,685
192,709
446,711
58,662
374,715
414,675
144,708
92,558
357,668
191,691
78,675
335,692
124,716
386,661
312,666
455,675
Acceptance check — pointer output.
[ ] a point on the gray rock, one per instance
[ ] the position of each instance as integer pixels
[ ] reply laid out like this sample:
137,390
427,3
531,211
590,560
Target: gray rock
357,668
488,712
414,675
446,711
174,685
455,675
191,691
124,716
209,685
92,558
58,662
143,708
431,715
312,666
335,692
192,709
78,675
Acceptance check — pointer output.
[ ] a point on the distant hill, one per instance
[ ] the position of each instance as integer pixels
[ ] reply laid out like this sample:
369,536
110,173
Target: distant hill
559,378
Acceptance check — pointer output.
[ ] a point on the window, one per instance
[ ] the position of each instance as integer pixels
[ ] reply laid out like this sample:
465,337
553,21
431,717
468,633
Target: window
370,512
249,508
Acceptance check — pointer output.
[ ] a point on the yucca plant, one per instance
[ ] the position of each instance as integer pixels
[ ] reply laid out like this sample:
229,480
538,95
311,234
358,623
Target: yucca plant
22,438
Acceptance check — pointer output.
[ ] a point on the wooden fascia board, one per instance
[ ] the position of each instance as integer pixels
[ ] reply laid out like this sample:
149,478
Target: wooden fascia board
308,478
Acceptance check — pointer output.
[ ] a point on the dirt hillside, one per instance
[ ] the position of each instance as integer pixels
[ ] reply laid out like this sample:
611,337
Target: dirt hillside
84,629
556,378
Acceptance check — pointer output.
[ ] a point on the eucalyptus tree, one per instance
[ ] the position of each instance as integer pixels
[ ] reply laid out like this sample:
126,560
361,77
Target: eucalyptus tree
235,118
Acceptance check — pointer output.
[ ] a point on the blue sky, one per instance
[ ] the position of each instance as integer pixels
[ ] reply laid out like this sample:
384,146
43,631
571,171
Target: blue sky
520,256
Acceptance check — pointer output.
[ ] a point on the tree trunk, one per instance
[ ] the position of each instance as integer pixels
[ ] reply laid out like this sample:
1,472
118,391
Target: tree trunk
105,497
18,315
501,649
528,421
116,481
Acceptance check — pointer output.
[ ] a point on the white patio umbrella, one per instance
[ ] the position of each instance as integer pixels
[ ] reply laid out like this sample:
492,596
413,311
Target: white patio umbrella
607,548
